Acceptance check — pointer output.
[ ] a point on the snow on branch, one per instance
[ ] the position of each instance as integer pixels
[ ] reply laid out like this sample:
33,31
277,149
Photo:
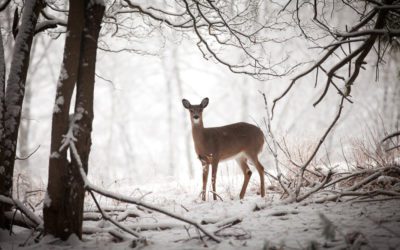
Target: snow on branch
113,221
92,188
219,27
374,23
28,213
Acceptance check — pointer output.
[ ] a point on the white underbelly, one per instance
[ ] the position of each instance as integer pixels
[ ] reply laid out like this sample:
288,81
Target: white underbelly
236,156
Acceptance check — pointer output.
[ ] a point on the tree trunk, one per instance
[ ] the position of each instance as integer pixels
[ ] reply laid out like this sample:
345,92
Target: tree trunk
14,97
2,90
63,209
2,106
168,78
83,117
185,125
56,210
24,127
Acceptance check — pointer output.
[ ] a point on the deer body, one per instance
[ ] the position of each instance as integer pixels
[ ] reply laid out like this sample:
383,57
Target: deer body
242,141
212,141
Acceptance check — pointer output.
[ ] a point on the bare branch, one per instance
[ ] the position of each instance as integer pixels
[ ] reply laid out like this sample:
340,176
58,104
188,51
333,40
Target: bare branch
390,32
92,188
110,219
305,165
29,155
390,136
4,4
18,204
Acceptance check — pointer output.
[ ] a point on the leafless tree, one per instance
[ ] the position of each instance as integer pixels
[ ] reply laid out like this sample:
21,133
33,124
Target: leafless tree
13,97
63,208
372,32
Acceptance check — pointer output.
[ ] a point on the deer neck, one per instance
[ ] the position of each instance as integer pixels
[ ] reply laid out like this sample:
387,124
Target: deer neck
198,133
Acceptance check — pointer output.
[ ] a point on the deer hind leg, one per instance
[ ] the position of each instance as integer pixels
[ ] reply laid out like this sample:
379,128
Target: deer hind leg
214,168
242,161
260,169
205,177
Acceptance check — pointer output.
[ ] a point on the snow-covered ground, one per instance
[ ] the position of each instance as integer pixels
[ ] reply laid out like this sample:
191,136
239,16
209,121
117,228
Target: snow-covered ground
262,223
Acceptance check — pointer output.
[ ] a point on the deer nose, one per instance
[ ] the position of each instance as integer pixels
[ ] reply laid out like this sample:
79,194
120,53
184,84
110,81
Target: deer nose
196,117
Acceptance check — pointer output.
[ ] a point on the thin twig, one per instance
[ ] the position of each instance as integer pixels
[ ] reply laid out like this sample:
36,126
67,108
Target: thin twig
92,188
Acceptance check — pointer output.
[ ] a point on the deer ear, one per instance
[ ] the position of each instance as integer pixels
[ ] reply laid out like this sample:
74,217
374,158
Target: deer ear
186,103
204,103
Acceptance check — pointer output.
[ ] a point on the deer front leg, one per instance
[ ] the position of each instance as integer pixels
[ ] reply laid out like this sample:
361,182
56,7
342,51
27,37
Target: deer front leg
205,177
214,178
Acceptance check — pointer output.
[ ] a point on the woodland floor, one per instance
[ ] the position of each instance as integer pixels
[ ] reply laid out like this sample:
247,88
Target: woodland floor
252,223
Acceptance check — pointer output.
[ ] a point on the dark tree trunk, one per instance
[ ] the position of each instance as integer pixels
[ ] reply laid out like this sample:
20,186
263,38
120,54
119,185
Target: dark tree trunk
63,210
14,96
2,107
58,204
2,90
83,117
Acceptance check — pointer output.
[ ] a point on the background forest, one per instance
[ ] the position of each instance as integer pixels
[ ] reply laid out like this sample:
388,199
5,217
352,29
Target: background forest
150,55
140,81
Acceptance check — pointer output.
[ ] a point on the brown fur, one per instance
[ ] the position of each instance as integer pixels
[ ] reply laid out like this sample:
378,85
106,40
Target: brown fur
241,140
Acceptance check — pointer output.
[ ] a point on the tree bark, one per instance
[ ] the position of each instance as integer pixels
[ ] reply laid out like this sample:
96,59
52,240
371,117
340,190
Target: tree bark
63,210
83,117
56,210
2,89
14,95
185,125
3,208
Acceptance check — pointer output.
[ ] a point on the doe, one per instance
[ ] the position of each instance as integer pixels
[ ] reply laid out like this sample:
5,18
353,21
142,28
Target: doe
242,141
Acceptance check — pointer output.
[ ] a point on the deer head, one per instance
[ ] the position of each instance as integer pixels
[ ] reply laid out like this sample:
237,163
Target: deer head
196,111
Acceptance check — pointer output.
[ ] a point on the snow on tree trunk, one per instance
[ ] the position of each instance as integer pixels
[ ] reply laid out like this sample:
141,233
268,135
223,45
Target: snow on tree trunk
63,211
83,117
2,89
2,105
14,95
57,208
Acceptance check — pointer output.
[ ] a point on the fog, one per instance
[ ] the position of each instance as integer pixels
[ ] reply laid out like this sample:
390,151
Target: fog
141,130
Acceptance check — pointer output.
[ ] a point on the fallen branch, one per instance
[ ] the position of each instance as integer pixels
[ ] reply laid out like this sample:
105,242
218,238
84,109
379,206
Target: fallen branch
229,221
91,216
126,214
377,199
106,209
24,210
355,187
92,188
333,182
17,218
315,189
368,193
282,213
155,226
110,219
116,234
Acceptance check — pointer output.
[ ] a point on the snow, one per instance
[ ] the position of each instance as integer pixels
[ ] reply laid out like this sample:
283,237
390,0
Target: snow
55,154
63,74
260,221
59,102
47,200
